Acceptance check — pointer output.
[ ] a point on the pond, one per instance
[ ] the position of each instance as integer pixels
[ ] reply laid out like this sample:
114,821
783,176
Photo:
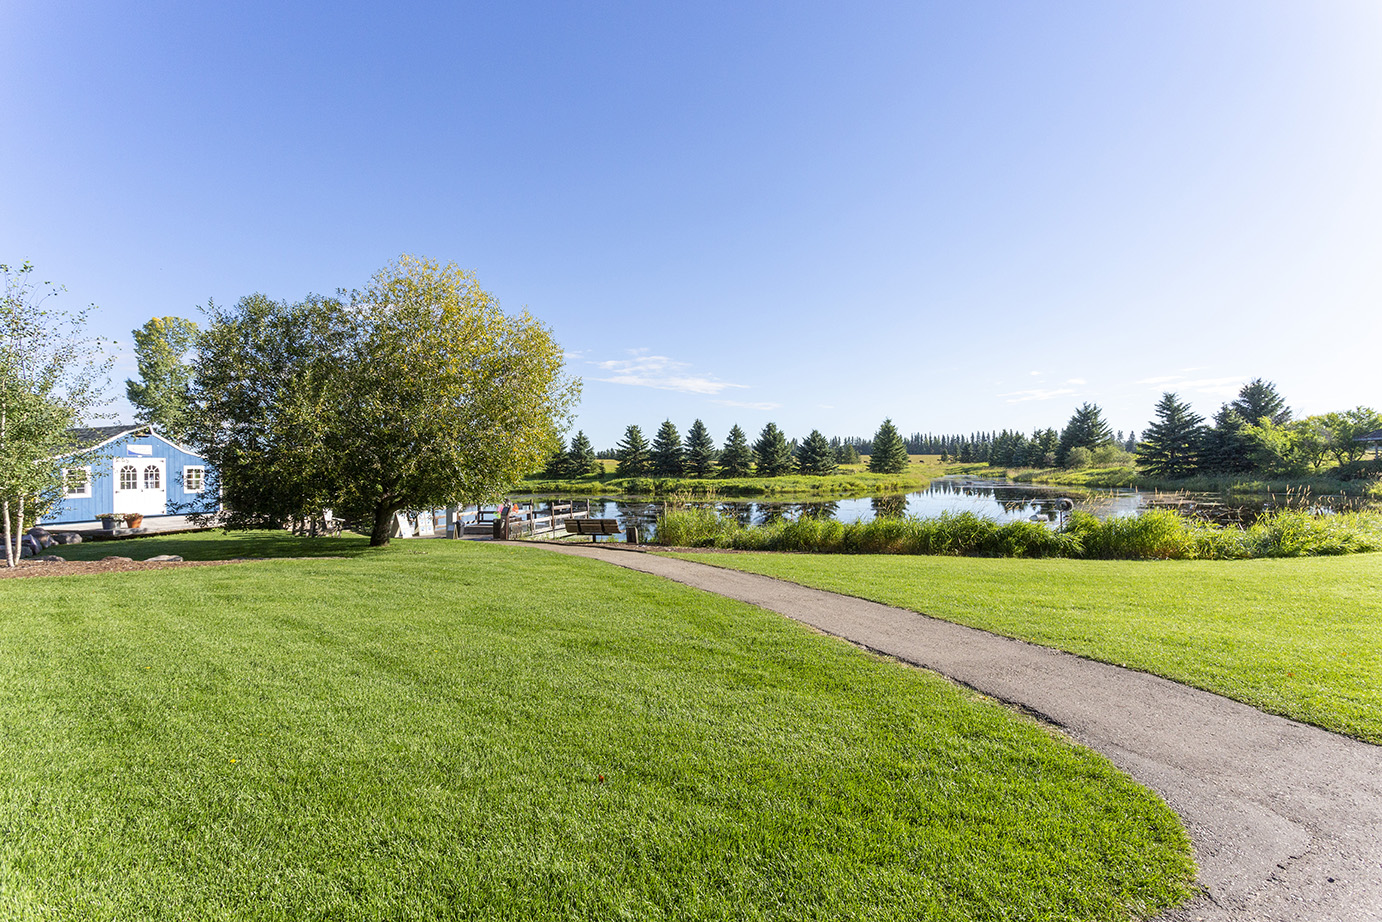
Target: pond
998,500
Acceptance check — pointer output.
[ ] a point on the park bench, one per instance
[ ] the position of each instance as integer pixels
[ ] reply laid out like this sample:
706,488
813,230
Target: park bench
593,527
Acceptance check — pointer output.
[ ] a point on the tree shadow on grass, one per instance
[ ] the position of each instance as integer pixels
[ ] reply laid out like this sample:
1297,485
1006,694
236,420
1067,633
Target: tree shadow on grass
219,545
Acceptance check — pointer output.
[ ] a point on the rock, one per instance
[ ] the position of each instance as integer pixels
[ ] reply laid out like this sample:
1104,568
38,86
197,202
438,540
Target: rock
38,531
114,559
67,537
51,558
164,558
25,550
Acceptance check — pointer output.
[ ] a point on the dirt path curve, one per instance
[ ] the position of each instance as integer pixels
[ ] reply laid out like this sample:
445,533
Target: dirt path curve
1286,819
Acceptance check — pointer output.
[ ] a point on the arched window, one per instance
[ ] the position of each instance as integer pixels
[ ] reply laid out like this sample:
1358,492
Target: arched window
151,478
129,477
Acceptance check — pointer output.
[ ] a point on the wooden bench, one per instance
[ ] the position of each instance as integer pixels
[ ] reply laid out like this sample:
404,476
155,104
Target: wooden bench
593,527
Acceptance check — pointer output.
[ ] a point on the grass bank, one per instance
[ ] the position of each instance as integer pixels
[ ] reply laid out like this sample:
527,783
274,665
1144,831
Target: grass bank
1156,535
1301,638
1355,483
849,481
444,730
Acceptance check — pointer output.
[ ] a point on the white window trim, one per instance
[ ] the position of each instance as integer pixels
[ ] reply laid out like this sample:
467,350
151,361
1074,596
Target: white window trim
194,467
86,489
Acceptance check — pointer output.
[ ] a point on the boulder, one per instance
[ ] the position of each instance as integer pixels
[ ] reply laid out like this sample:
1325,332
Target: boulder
51,558
164,558
38,531
67,537
117,559
25,550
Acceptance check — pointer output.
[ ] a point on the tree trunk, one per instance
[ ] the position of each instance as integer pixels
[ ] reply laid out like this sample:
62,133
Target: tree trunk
10,554
383,524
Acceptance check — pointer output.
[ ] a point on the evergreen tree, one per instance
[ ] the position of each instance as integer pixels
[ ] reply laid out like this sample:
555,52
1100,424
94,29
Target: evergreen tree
1260,399
1171,446
634,460
558,463
772,454
1086,429
667,456
847,453
1041,450
700,451
581,458
737,459
1227,448
815,456
889,453
1131,444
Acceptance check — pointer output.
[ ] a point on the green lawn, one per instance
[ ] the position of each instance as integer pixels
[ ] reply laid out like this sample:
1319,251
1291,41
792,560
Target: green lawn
1300,637
449,730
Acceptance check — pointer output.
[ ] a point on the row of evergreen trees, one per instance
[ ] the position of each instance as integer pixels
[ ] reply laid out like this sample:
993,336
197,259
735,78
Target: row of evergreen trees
771,455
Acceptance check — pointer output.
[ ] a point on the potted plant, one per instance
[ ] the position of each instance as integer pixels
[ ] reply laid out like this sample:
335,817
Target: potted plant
108,521
134,519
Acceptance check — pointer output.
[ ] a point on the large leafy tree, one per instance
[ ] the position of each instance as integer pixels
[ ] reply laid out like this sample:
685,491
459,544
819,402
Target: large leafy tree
418,391
634,460
816,456
700,451
1259,400
1171,445
1086,429
667,453
889,455
1341,431
52,376
771,454
737,458
162,395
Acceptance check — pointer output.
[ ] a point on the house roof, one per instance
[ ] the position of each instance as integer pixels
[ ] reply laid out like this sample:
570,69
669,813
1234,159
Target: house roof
94,436
1375,436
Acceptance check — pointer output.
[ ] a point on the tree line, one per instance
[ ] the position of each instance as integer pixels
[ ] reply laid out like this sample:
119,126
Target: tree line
1256,432
770,455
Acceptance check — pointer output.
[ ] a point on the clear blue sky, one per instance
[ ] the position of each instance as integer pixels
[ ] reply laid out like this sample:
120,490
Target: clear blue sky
962,215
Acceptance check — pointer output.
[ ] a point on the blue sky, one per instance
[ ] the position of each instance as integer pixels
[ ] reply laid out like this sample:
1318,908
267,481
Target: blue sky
960,215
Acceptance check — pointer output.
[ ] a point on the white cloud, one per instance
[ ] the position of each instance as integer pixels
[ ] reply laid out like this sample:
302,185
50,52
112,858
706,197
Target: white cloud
1077,381
1164,379
1038,394
661,372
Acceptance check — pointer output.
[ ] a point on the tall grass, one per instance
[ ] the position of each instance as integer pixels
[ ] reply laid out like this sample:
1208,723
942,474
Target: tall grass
1155,535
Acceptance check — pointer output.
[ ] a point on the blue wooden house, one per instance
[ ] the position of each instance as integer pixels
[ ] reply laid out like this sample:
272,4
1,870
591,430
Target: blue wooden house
124,469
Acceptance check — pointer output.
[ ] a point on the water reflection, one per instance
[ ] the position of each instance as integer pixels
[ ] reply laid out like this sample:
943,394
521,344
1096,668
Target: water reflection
1000,501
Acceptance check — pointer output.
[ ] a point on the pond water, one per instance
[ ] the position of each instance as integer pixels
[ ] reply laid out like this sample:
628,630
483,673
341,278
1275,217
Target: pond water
998,500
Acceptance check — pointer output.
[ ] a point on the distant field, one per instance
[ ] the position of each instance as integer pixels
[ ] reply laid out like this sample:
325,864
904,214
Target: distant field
444,730
1297,637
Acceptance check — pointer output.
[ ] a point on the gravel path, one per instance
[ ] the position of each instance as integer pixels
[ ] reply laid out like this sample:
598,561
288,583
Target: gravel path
1286,819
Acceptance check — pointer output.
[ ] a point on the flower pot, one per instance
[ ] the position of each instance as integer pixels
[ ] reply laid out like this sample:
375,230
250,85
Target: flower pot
134,520
108,522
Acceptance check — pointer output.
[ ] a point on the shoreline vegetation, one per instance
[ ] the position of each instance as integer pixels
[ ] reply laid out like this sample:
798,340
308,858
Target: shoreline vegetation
852,480
1362,480
1154,535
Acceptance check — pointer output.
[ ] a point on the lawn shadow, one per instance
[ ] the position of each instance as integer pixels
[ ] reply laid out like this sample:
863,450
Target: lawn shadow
219,545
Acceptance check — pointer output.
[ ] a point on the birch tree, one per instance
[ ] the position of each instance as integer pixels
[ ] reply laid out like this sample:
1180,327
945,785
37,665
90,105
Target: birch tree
51,377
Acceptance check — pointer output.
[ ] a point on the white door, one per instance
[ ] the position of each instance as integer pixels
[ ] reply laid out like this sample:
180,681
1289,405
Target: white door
141,485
